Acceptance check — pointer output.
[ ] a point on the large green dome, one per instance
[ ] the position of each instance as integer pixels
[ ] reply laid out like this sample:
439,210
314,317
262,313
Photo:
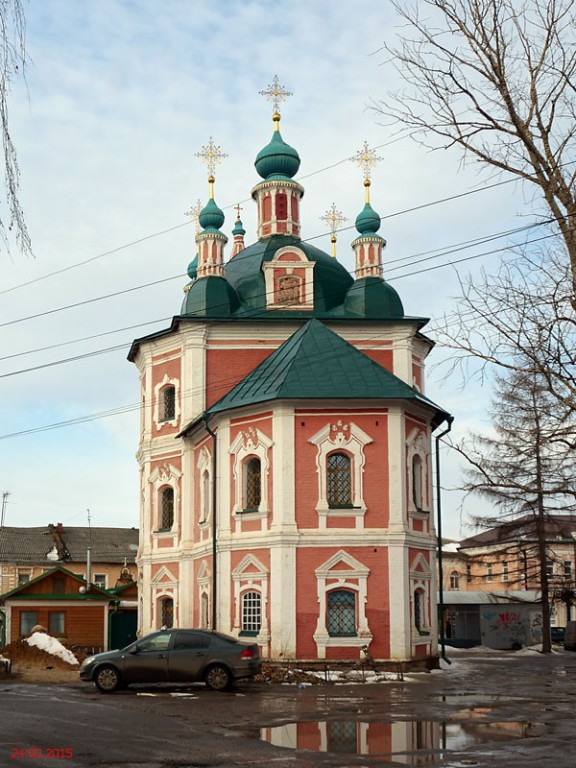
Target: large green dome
277,159
367,221
374,297
245,274
211,217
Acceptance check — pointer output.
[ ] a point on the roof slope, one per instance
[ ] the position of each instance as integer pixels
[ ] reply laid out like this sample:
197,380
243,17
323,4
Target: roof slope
556,528
32,545
316,363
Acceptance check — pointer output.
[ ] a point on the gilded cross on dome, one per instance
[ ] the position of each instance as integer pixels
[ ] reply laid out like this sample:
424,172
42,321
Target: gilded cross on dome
366,159
276,93
211,155
194,214
238,208
333,218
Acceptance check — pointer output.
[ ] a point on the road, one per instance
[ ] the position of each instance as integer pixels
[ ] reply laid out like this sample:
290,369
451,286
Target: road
486,710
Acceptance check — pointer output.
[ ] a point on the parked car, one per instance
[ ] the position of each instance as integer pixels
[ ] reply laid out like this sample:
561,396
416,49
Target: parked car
557,634
570,636
174,656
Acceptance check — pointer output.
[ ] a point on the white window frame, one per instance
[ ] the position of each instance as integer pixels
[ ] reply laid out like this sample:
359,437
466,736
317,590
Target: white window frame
299,261
420,582
204,580
342,571
417,447
350,439
251,575
159,421
204,465
164,475
250,442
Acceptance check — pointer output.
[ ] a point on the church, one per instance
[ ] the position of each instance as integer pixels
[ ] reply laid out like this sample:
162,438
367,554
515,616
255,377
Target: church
285,439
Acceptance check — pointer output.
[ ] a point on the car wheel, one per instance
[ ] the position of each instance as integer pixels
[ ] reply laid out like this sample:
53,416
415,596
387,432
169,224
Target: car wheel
107,679
218,677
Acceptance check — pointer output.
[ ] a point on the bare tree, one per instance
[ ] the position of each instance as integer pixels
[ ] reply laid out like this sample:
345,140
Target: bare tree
520,318
527,469
496,78
12,64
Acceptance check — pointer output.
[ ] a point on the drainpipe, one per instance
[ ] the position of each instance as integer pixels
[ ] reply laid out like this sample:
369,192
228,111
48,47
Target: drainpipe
214,497
110,615
439,532
3,626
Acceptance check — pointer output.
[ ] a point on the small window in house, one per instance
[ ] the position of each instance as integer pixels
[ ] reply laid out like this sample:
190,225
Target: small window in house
28,619
567,569
550,568
468,573
99,580
23,578
489,572
58,584
454,580
252,484
167,509
339,472
251,612
168,404
342,613
56,622
505,572
167,612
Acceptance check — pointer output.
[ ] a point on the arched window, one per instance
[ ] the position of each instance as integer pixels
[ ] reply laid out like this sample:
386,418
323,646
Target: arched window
205,611
206,496
167,612
251,612
419,609
454,580
341,613
168,405
252,484
417,481
339,477
167,509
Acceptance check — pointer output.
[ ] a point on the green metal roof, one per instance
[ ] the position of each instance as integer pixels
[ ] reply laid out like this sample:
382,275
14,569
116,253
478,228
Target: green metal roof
316,363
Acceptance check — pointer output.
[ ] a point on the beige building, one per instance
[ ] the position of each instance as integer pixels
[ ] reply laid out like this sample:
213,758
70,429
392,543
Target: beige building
505,559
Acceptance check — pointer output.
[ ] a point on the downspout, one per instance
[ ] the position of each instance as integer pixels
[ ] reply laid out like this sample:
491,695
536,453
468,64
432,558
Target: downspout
110,615
214,497
450,419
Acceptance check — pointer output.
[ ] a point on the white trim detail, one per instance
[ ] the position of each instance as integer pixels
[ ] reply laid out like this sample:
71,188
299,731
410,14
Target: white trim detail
420,581
163,476
351,439
158,402
250,442
203,581
299,260
353,576
251,575
417,446
204,467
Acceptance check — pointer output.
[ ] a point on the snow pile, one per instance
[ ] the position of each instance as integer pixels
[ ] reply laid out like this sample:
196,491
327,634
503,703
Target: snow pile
52,646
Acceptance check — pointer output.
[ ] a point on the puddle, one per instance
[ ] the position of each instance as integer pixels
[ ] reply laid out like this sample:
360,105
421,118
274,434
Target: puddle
409,742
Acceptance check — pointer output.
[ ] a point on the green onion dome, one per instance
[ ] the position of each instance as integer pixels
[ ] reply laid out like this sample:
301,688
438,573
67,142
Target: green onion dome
211,217
193,268
277,159
368,221
238,228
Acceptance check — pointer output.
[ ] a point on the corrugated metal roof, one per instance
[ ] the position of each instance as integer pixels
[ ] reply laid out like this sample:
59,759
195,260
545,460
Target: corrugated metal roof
316,363
32,545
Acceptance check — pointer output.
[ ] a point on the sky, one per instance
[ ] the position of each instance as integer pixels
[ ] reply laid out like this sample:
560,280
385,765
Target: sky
119,97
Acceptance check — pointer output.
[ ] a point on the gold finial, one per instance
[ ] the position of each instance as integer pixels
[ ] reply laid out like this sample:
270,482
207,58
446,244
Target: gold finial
194,214
333,219
366,159
276,93
211,155
238,208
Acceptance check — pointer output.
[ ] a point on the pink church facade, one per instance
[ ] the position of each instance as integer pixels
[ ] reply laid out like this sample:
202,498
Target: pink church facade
285,445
